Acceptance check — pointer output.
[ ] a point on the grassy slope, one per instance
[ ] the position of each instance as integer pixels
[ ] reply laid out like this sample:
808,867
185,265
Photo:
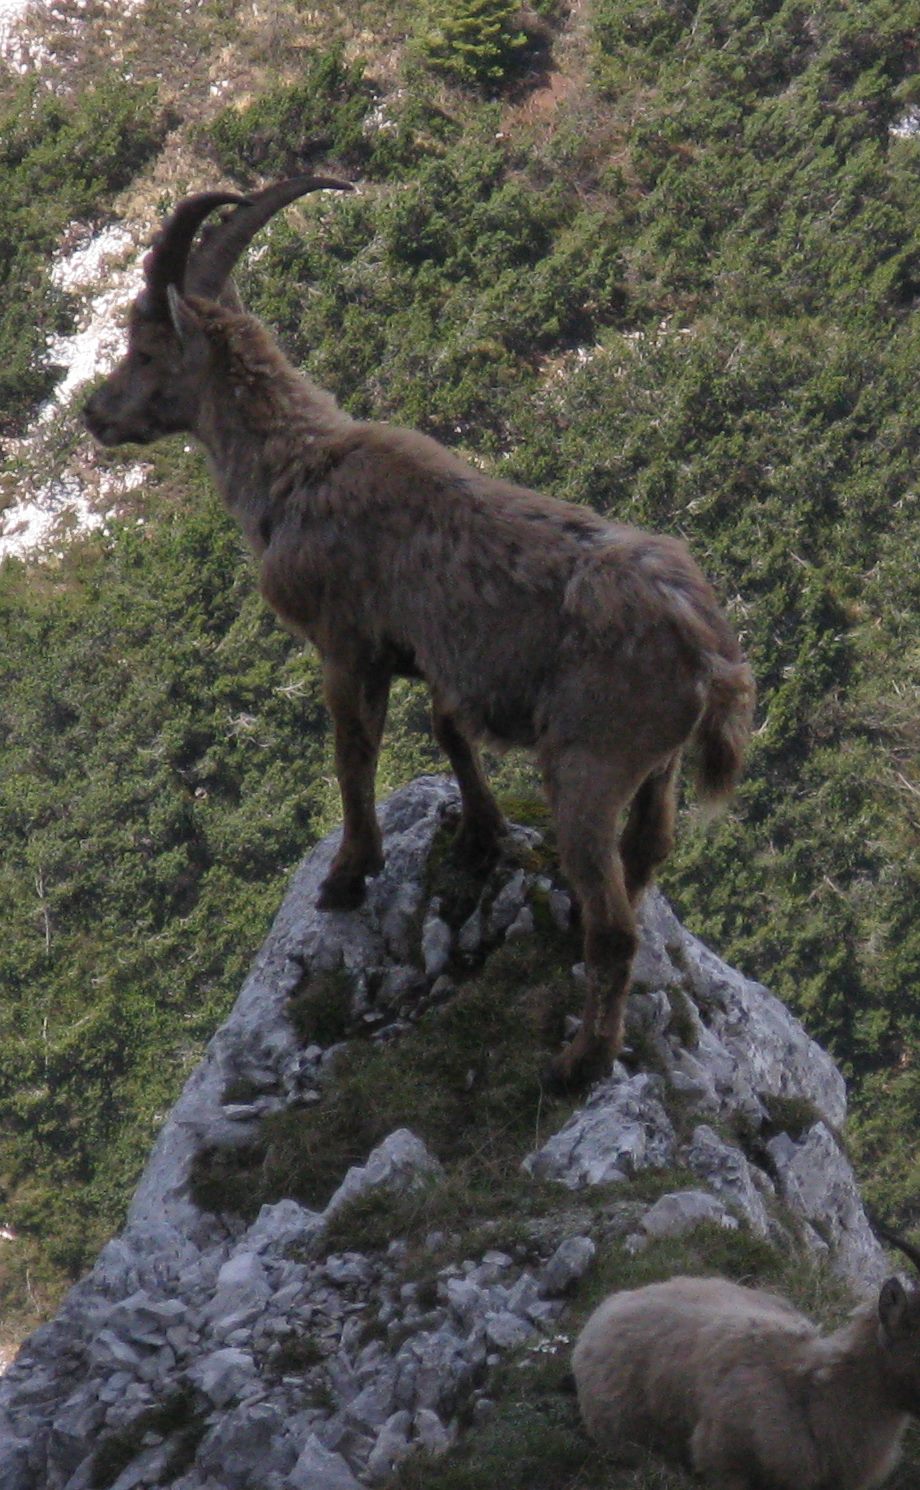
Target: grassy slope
677,285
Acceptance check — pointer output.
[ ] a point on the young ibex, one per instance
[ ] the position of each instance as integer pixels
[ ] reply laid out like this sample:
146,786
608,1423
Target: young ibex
533,622
736,1385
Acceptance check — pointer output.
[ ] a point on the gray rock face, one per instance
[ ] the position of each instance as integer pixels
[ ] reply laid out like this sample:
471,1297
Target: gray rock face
816,1182
569,1262
682,1211
622,1129
399,1164
724,1168
287,1366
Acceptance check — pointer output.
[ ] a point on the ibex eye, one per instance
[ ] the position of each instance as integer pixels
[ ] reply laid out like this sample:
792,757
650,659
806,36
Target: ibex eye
144,359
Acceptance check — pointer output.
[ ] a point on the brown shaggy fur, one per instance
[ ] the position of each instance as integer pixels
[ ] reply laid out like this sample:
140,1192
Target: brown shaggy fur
734,1384
534,622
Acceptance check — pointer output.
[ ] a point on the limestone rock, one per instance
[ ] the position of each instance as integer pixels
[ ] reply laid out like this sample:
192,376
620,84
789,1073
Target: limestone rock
816,1181
683,1210
723,1167
317,1468
398,1164
306,1371
622,1129
568,1264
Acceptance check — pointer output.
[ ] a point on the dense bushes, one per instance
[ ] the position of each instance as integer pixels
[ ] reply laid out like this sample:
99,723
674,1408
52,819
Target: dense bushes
682,297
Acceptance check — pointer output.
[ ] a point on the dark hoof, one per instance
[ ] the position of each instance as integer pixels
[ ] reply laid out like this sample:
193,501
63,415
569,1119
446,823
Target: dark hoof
565,1073
341,893
476,851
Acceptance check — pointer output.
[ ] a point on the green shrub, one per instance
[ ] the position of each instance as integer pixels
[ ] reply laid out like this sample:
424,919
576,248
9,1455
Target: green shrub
477,42
295,127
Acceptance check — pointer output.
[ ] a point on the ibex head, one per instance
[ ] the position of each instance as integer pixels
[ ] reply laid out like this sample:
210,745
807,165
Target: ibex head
154,390
899,1342
899,1323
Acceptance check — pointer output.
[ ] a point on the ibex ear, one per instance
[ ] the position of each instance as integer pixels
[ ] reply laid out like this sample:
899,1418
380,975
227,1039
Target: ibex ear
184,321
892,1307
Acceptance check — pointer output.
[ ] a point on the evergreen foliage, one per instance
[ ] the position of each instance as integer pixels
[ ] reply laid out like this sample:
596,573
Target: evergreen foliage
473,41
685,298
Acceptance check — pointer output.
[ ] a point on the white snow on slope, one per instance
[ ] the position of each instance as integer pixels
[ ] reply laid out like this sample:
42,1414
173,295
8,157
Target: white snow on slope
107,268
24,52
53,500
99,339
908,126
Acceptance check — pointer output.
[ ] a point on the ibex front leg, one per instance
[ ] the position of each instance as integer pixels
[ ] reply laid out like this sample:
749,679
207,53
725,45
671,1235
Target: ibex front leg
357,701
482,824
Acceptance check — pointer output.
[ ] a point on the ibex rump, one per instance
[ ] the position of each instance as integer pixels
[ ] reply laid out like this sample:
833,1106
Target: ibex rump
734,1384
534,622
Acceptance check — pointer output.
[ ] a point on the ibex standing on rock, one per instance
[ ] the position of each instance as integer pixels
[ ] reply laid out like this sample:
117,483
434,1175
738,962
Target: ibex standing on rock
736,1385
534,622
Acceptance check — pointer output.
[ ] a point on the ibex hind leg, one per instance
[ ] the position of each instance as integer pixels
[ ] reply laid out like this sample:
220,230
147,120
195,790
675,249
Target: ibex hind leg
648,836
481,824
587,794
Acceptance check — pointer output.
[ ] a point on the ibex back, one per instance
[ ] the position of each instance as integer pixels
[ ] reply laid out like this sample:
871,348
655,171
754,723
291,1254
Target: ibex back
533,622
736,1385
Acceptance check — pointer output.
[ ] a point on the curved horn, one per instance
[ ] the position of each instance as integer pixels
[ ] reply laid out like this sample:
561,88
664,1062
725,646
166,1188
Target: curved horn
214,261
886,1234
165,264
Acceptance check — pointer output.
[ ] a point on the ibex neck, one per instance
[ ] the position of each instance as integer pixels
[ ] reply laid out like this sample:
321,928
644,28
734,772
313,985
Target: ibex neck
862,1424
259,414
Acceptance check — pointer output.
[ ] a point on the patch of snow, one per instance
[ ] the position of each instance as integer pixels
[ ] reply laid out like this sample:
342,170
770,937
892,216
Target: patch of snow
25,53
61,507
32,524
84,264
378,120
92,266
99,340
10,12
908,126
127,478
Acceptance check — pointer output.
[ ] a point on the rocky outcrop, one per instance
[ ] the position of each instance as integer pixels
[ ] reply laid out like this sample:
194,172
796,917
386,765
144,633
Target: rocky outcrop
212,1354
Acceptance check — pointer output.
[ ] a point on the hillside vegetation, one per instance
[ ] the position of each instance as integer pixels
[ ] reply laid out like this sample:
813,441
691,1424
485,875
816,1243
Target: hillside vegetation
660,258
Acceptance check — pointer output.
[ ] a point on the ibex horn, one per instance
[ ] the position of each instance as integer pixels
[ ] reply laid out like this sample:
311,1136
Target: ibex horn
211,265
885,1234
165,264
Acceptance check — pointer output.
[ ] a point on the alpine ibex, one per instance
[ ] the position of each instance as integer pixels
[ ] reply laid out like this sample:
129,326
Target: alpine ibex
736,1385
533,622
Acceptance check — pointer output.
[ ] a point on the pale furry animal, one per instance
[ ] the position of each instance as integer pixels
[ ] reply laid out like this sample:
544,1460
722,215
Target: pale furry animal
534,622
735,1384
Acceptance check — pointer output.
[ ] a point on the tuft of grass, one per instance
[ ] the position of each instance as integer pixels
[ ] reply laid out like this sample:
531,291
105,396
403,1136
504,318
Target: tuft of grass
458,886
177,1417
473,1206
682,1023
532,1440
792,1115
239,1090
466,1079
320,1007
296,1354
229,1181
